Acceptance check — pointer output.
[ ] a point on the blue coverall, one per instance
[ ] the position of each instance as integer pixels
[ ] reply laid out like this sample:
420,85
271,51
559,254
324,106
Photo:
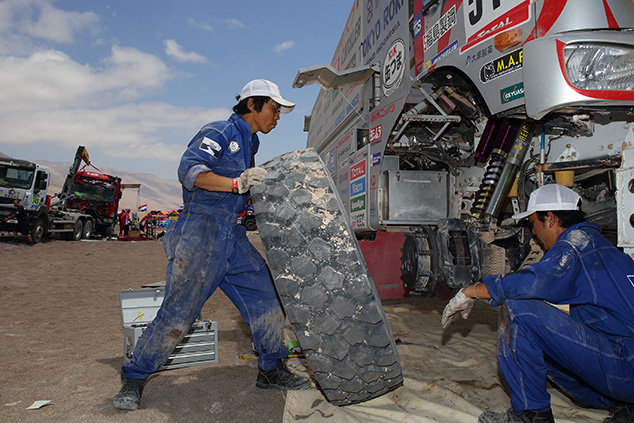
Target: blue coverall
589,353
206,249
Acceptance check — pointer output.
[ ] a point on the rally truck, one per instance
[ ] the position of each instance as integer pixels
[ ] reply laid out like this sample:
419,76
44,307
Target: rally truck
437,118
87,203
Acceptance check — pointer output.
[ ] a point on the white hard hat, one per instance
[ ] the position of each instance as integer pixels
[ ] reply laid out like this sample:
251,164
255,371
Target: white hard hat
264,88
550,197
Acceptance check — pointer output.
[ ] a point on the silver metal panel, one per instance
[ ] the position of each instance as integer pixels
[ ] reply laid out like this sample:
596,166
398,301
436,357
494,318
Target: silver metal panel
199,346
140,305
415,196
139,308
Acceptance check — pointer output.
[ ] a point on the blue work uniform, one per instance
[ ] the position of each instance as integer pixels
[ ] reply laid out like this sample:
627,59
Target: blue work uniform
206,249
588,353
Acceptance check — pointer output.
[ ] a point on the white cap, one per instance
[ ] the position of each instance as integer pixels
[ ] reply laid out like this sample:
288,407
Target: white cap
264,88
550,198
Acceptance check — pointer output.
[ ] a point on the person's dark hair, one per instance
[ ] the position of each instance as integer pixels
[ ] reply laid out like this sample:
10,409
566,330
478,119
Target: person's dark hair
567,218
258,102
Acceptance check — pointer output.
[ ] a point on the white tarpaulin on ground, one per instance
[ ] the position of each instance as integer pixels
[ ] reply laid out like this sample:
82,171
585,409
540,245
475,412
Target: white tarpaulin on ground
450,376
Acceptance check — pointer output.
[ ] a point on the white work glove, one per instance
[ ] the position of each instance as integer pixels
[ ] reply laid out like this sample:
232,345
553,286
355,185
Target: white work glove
250,177
458,304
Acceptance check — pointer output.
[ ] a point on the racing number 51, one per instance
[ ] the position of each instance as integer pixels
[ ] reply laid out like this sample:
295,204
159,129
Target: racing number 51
476,10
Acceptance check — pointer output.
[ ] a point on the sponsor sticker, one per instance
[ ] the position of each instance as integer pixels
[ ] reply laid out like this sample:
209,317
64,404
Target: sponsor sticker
234,147
376,133
357,187
511,93
357,170
417,25
443,54
357,204
471,58
358,219
332,162
210,146
501,66
376,159
393,67
440,28
383,112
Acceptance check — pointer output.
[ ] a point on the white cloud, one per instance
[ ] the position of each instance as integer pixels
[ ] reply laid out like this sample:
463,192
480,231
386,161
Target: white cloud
48,97
50,23
205,27
282,47
51,79
173,49
234,24
116,127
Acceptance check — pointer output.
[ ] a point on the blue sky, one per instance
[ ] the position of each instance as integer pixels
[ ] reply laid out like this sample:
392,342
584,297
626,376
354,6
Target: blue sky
134,80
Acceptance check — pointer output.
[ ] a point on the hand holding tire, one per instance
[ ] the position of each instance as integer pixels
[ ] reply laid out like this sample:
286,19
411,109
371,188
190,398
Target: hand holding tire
250,177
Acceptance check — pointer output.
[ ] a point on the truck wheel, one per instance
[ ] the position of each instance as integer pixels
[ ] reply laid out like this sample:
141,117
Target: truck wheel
105,231
250,224
323,281
87,231
37,231
77,231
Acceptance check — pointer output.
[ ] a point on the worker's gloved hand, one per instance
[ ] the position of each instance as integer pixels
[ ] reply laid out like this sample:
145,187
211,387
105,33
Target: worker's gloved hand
250,177
458,304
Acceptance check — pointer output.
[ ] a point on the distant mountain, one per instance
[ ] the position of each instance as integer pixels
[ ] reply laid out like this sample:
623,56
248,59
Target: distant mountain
157,193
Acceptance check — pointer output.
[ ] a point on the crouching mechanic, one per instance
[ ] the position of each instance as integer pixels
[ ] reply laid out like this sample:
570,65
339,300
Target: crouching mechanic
588,353
206,249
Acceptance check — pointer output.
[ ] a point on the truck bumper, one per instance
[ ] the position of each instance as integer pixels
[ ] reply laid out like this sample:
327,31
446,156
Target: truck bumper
547,87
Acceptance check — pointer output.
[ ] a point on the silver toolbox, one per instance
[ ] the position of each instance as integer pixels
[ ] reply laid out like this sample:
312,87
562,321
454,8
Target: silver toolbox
138,309
414,196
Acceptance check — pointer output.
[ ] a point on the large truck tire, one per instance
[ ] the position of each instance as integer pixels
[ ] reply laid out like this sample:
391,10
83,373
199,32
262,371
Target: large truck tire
37,231
87,229
323,282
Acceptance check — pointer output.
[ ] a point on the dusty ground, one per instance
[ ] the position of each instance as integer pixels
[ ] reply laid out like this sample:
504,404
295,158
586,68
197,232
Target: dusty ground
62,341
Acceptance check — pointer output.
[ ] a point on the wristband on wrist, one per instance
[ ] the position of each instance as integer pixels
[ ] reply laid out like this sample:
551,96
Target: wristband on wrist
234,185
474,291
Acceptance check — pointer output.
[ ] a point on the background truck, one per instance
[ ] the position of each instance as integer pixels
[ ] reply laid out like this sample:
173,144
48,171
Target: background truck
247,218
87,203
437,119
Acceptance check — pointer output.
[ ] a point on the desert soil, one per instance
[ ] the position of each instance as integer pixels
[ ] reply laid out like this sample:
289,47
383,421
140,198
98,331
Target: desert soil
62,340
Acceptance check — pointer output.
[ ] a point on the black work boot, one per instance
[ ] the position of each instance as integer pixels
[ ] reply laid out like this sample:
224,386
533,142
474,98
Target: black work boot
281,378
129,396
528,416
620,412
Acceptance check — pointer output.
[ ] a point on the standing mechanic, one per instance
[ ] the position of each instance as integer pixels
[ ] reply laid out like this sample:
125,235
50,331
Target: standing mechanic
588,353
206,249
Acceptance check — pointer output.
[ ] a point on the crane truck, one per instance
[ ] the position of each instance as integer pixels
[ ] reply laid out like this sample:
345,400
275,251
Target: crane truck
86,205
437,118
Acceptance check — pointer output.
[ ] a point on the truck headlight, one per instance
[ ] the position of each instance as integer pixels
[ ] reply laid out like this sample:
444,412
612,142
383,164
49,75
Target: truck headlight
599,67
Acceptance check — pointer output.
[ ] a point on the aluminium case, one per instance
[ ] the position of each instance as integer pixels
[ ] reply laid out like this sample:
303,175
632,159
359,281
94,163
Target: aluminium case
140,306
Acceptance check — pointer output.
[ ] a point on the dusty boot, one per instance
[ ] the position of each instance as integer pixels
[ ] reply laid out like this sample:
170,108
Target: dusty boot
129,396
528,416
620,412
281,378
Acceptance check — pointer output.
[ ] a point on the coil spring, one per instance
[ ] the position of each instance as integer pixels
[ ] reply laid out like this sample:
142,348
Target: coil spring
489,182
